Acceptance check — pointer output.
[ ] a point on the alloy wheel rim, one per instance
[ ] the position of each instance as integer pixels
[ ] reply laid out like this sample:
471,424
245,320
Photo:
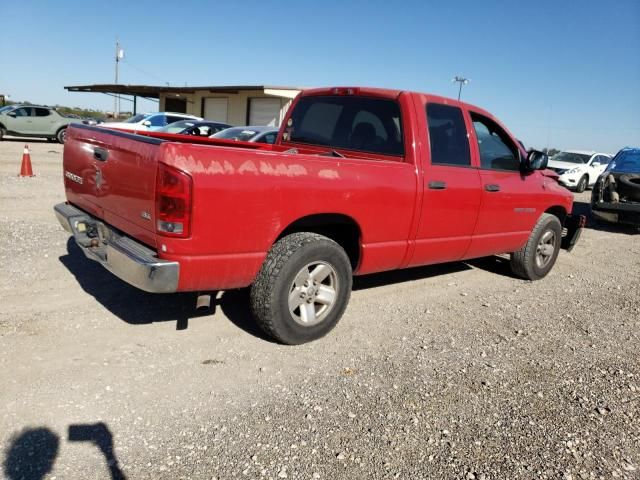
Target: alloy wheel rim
545,248
313,293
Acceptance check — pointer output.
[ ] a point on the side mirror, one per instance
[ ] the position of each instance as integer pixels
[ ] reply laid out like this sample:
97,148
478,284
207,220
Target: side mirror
12,114
146,123
536,160
595,164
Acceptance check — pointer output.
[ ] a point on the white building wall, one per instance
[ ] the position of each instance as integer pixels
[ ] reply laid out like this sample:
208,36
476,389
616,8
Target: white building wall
237,102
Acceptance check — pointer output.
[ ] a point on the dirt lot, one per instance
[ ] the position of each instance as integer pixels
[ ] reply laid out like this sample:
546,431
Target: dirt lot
455,371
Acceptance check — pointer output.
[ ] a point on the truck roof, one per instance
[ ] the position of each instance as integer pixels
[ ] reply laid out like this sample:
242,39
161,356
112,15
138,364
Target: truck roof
390,93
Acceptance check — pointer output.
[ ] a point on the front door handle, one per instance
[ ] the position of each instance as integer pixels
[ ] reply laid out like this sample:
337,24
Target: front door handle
437,185
492,187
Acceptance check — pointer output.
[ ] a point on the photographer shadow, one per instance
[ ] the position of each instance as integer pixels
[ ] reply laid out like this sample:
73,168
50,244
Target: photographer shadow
32,453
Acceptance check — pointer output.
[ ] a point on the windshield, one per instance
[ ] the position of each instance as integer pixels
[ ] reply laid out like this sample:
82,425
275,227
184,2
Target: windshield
136,118
570,157
239,134
6,109
627,161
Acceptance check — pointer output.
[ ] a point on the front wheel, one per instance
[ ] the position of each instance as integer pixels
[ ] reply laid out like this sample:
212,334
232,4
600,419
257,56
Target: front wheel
536,259
61,136
582,184
2,133
302,288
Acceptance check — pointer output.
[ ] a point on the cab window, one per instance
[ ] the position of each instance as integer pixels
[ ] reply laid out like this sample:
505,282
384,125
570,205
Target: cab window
497,151
42,112
447,136
346,121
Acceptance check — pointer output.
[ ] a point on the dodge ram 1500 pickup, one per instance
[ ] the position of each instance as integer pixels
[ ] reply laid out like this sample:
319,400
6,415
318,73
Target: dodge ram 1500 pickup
360,180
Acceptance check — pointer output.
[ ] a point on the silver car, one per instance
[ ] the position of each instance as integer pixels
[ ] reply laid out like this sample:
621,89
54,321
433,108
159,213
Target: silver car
249,134
34,121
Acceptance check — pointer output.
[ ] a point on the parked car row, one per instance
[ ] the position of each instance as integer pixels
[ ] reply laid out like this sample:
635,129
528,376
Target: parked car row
186,124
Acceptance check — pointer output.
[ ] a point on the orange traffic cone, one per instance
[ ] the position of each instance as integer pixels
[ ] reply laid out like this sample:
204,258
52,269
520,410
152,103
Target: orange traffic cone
25,169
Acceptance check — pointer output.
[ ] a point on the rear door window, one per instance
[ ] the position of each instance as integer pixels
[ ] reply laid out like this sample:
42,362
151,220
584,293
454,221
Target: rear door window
42,112
447,135
351,122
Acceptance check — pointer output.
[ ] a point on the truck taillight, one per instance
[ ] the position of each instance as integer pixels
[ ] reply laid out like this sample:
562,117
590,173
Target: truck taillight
173,201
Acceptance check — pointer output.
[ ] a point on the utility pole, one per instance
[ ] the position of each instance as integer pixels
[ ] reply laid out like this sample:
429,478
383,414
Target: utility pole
116,100
461,81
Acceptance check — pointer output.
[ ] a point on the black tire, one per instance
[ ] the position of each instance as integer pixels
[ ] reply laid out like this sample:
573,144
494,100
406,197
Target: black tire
285,262
61,136
3,132
583,183
524,262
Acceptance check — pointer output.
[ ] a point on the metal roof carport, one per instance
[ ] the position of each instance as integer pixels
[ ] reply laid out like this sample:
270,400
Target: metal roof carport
243,102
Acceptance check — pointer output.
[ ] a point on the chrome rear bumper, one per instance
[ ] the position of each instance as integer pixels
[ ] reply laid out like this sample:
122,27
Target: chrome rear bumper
126,258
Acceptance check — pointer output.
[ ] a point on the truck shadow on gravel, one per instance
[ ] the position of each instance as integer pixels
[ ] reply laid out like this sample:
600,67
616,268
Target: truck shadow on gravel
136,307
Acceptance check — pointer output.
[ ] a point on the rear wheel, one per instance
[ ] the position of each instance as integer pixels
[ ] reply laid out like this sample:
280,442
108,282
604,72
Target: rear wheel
582,184
302,288
536,259
61,136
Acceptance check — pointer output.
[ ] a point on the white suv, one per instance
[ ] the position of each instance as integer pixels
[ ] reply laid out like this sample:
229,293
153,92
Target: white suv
578,169
150,121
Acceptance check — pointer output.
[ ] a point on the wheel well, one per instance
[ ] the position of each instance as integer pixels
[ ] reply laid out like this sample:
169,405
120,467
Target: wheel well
559,212
340,228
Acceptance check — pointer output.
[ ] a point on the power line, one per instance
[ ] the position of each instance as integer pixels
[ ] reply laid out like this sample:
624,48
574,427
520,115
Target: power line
148,74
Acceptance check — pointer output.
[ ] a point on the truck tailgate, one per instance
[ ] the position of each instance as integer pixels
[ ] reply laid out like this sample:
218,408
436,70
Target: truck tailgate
112,175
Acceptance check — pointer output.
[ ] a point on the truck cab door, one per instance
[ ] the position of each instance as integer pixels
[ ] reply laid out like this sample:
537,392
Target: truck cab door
511,199
451,198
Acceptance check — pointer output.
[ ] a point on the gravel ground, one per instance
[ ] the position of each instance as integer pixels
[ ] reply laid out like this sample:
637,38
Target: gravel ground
457,371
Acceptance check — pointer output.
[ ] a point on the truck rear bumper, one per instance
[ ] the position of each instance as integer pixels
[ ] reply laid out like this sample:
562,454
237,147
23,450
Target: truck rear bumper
126,258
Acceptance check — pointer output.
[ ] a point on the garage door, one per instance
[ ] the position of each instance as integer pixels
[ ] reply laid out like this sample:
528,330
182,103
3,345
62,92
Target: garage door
215,109
264,111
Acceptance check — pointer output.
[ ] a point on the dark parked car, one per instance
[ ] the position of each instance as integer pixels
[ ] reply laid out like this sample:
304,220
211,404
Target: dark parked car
194,127
616,194
259,134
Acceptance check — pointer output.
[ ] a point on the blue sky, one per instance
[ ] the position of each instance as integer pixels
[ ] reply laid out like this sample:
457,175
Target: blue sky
563,74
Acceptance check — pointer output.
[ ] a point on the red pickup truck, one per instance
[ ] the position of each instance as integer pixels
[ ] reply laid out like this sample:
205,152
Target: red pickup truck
360,180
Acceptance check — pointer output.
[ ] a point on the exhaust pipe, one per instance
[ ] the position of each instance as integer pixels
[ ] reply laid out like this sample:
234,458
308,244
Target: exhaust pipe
203,302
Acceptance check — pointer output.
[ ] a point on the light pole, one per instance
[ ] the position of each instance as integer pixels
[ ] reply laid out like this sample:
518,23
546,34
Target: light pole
461,81
116,100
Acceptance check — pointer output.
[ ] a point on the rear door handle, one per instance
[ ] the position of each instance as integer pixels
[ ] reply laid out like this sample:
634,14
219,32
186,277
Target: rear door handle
492,187
437,185
100,154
